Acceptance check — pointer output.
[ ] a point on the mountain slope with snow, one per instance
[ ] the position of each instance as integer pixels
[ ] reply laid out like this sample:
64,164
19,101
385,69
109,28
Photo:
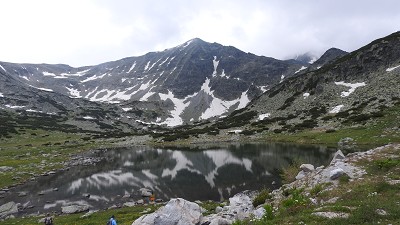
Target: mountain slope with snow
195,81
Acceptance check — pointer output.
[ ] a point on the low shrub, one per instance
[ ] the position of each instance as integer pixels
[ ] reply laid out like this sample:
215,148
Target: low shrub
261,197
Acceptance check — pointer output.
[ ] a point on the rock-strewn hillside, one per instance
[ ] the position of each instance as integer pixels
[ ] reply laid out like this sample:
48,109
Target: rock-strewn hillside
353,90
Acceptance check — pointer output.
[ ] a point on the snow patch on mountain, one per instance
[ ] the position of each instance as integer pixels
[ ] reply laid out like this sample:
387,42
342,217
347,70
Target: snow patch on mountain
77,74
215,64
132,67
163,62
45,73
14,106
263,116
302,68
1,95
74,92
127,109
42,89
186,44
243,100
180,106
95,77
170,60
3,68
263,88
24,77
306,95
392,68
218,106
147,66
351,86
282,77
336,109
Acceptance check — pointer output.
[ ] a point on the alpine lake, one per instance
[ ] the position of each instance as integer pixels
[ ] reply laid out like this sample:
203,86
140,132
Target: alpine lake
210,173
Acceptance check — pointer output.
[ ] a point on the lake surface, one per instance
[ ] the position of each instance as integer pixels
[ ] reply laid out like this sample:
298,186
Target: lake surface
212,174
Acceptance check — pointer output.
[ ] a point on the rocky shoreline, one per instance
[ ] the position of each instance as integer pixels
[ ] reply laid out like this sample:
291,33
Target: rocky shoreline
240,206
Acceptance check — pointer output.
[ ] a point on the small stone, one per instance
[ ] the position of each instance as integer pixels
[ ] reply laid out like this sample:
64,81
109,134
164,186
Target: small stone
140,202
381,212
337,156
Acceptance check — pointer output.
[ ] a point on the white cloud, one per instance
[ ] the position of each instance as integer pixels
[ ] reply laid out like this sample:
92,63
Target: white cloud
94,31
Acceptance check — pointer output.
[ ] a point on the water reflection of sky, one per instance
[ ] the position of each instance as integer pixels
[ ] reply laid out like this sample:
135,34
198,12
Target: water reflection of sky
156,169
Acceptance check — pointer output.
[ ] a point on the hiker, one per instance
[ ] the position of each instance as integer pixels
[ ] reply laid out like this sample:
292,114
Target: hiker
112,221
152,197
48,220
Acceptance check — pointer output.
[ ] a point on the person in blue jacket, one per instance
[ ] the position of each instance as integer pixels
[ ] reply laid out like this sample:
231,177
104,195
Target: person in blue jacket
112,221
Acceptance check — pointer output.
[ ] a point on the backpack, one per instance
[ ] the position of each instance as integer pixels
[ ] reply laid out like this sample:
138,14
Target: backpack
48,221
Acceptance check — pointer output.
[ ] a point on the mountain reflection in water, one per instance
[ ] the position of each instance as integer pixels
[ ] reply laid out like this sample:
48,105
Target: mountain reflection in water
213,174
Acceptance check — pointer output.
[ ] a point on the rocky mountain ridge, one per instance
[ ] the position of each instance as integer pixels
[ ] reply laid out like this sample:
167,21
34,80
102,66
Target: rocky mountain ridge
188,83
350,91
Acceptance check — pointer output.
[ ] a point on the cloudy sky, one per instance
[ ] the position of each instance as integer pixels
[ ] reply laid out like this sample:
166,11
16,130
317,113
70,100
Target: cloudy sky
88,32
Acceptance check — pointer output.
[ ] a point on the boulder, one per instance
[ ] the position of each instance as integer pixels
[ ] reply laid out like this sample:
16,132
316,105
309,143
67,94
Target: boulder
8,209
178,211
307,168
336,173
337,156
241,206
71,209
144,192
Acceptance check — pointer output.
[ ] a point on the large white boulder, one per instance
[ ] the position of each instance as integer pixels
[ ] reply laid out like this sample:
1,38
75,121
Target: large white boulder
178,211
